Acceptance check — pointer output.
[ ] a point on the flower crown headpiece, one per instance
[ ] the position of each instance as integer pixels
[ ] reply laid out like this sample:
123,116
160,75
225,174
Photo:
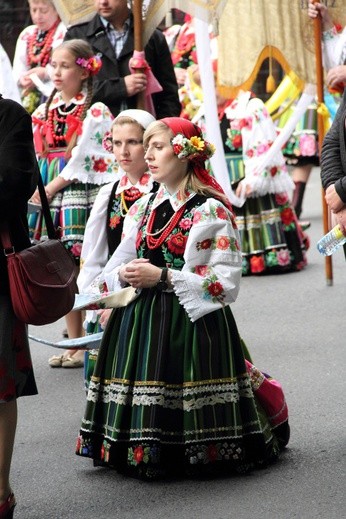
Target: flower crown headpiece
92,64
192,149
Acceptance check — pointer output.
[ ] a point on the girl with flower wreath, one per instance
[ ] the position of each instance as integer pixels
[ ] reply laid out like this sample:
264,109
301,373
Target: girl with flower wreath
68,135
174,391
272,240
33,52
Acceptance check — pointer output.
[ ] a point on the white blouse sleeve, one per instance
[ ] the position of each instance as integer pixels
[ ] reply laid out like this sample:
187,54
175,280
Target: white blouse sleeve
211,275
90,162
334,45
94,255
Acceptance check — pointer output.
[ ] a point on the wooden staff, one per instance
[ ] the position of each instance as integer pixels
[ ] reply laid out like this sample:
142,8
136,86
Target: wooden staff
138,43
321,132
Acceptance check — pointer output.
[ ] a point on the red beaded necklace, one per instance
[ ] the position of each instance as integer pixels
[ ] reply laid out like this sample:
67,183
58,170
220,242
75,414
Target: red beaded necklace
130,195
154,243
57,116
41,58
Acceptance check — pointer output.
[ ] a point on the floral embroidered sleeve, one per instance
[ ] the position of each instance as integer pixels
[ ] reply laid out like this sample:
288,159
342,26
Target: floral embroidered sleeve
258,133
211,275
334,44
90,161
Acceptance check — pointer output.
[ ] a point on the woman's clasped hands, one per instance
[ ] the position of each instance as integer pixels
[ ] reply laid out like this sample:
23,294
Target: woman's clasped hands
140,273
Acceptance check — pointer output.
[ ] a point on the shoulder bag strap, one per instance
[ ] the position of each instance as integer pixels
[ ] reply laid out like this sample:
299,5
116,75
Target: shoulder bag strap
46,211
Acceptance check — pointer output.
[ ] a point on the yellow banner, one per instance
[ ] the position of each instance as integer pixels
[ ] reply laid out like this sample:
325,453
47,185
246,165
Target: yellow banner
253,30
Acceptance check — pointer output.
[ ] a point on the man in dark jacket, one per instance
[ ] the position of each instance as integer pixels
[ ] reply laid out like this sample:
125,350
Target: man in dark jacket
333,166
111,35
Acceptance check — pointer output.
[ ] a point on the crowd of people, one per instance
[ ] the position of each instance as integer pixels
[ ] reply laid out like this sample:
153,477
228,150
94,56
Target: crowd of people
173,390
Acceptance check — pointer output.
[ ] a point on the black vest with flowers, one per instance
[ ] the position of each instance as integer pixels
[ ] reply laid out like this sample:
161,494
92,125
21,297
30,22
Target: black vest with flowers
170,253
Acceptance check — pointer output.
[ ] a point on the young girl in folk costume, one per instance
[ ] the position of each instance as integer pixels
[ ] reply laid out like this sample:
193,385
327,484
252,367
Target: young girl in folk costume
172,391
33,53
104,228
272,239
68,136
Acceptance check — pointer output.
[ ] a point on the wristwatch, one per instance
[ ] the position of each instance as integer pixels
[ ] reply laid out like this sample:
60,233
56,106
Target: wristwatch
162,283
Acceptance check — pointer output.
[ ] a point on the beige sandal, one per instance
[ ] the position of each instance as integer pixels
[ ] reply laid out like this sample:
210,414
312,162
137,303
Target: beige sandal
56,361
71,362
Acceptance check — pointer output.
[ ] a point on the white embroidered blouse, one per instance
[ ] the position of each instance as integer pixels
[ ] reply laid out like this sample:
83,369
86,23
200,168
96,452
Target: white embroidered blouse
211,274
95,254
90,162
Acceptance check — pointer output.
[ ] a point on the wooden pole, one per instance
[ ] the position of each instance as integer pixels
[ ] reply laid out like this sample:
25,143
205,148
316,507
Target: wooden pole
321,132
138,43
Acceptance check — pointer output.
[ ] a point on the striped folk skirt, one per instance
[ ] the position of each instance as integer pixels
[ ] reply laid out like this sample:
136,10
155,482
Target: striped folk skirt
271,238
70,208
172,397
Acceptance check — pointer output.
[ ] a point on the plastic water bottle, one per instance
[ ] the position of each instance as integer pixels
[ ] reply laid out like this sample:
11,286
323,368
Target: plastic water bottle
331,241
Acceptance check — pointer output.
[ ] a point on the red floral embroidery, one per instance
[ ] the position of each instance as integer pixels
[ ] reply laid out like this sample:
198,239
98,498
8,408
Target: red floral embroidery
123,181
114,221
250,153
76,249
197,217
96,112
100,165
79,96
205,244
144,179
133,210
215,289
257,264
287,216
222,243
177,243
221,213
237,141
273,171
201,270
138,454
185,223
281,198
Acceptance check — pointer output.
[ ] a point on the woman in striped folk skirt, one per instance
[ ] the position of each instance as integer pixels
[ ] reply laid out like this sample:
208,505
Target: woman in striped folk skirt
272,240
174,391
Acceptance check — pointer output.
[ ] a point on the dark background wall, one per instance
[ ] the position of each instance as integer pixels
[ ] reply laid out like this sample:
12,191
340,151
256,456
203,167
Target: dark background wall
14,17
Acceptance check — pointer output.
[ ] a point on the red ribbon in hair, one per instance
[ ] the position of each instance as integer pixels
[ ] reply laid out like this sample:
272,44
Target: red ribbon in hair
74,124
188,129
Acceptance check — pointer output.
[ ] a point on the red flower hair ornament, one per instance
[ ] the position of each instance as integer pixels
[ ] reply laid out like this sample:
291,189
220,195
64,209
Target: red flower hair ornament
188,142
92,64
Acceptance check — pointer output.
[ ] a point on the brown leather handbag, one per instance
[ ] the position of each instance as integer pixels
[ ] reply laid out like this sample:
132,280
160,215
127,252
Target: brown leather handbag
42,278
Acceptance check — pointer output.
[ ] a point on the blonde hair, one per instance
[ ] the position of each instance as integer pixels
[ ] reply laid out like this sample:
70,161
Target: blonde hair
190,182
79,49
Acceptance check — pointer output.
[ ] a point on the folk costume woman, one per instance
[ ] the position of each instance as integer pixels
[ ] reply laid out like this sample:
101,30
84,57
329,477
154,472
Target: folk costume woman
33,52
172,392
271,237
104,228
68,135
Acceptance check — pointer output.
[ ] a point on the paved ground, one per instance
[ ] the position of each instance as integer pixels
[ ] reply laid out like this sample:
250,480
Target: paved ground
294,327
